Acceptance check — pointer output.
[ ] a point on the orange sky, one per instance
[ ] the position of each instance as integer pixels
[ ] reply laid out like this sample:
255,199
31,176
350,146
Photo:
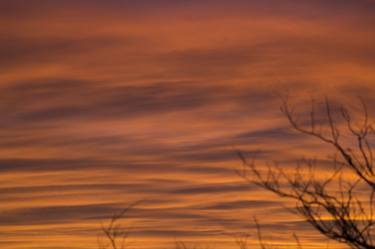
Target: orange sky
107,102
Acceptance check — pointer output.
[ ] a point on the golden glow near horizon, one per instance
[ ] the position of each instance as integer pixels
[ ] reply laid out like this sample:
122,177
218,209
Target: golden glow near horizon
107,102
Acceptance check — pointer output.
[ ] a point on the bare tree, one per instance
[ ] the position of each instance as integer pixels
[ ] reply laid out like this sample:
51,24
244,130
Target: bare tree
242,240
339,207
184,245
114,232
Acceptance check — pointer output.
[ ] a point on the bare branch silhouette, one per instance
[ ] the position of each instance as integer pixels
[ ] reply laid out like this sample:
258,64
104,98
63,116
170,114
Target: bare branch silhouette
115,234
332,205
242,241
184,245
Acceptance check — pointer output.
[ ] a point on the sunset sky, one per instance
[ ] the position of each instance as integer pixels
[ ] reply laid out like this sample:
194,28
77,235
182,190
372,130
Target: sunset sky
104,103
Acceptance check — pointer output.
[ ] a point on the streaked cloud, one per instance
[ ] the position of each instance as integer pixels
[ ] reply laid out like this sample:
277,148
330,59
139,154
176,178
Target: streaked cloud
106,103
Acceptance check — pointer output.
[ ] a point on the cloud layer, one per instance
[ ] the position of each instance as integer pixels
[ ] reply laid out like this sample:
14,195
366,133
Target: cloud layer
106,103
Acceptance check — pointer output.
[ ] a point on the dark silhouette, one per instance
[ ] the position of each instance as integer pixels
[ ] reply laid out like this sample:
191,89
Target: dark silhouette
115,234
339,207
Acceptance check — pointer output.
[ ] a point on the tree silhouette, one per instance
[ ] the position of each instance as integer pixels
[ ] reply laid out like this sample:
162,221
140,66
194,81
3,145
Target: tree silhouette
339,207
115,233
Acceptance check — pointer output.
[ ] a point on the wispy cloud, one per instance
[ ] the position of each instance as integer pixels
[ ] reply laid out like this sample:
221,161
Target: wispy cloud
105,103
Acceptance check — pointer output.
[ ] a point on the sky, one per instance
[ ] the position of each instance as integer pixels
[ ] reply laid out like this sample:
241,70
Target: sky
104,103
